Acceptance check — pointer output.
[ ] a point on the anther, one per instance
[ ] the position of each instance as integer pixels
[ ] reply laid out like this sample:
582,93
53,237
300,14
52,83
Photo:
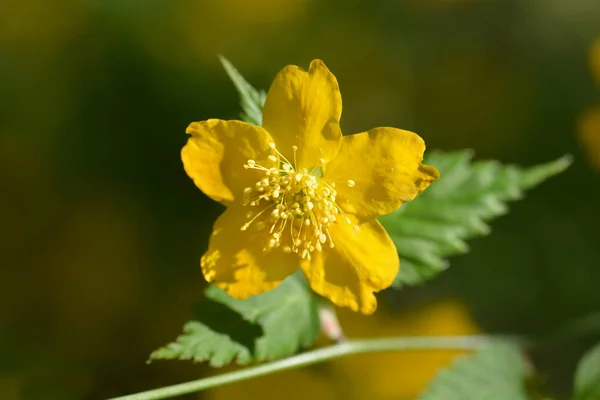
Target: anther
295,199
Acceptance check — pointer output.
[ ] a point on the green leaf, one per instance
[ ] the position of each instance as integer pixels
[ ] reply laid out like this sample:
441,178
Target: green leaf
497,372
251,99
272,325
587,376
455,208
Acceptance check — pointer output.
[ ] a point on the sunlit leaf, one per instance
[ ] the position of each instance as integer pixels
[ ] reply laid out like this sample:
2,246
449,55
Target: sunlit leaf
251,99
497,372
272,325
457,207
587,376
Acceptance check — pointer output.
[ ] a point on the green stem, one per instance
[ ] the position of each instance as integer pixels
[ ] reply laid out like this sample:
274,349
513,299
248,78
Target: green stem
316,356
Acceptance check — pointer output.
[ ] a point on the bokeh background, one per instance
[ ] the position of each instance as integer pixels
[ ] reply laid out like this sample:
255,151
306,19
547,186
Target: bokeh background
102,230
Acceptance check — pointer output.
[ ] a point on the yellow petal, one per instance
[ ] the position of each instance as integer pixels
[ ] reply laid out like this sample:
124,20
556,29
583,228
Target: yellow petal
236,260
216,152
362,262
377,171
303,109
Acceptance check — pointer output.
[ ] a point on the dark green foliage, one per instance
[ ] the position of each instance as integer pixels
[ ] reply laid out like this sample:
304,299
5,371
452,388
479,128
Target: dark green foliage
498,372
436,224
272,325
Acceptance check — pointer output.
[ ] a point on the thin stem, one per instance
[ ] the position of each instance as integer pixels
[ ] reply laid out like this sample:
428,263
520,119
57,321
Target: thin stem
316,356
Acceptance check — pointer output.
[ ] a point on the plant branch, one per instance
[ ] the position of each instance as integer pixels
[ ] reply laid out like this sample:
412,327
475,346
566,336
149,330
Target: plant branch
316,356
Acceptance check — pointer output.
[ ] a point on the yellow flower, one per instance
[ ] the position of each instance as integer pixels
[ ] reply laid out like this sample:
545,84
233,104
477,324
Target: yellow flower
298,192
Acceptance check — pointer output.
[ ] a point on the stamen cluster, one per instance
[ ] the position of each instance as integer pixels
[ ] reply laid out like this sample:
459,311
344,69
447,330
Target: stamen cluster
296,207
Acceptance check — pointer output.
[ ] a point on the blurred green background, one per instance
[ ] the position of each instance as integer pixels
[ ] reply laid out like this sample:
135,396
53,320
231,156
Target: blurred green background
102,229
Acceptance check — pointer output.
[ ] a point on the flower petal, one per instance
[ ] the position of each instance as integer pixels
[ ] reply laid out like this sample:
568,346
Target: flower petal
216,152
378,171
236,260
363,261
303,109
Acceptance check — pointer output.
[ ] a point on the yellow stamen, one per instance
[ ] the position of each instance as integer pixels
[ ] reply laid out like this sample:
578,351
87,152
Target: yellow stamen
294,195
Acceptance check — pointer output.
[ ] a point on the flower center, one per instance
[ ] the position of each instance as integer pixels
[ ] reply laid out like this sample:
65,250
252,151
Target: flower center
296,207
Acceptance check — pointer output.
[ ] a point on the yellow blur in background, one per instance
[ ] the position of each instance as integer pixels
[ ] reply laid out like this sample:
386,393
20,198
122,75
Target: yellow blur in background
395,375
589,122
101,231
